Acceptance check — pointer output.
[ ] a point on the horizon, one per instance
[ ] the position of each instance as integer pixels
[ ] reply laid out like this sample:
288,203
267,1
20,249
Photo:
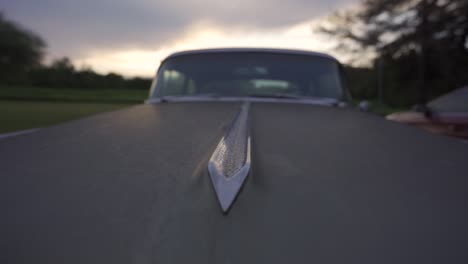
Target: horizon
105,43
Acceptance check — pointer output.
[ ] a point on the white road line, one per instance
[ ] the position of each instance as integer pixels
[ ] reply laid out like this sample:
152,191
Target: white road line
17,133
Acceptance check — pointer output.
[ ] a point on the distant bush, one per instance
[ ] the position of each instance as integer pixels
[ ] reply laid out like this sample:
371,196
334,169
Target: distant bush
62,74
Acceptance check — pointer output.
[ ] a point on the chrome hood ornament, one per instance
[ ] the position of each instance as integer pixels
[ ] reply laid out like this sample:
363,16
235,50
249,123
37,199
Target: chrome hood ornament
230,163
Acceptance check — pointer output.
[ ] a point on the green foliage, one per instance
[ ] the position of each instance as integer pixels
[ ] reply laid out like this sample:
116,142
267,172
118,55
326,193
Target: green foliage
62,74
383,109
362,82
20,51
423,44
73,94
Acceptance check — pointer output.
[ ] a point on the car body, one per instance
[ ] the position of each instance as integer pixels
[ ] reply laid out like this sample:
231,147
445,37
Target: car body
447,115
235,177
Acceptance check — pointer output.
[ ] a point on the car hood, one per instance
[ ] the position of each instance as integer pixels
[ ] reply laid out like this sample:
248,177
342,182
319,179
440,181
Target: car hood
327,185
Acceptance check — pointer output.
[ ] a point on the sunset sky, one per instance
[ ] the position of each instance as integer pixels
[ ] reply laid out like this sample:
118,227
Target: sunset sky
132,36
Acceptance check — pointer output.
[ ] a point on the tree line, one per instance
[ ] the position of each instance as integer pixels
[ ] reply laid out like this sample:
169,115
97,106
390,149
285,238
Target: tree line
418,48
21,64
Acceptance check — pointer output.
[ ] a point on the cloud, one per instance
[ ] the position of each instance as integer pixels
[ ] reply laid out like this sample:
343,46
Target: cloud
76,27
144,62
132,36
79,28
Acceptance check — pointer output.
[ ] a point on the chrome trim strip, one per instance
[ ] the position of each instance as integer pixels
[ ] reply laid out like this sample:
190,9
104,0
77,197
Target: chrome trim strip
230,163
247,50
322,101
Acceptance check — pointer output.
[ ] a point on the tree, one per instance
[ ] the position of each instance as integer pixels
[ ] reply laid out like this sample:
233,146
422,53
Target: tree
21,54
62,73
63,65
114,81
428,35
20,50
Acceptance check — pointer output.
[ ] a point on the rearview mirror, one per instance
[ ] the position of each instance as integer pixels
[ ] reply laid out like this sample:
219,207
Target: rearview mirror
364,106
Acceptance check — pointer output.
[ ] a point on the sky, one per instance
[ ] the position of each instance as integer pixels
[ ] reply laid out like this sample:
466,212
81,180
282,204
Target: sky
131,37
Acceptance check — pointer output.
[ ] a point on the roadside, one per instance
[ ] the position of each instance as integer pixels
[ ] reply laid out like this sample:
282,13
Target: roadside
23,108
127,96
21,115
379,108
383,109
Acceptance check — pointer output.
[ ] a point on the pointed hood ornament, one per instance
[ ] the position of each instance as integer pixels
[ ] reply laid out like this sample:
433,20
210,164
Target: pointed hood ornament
230,163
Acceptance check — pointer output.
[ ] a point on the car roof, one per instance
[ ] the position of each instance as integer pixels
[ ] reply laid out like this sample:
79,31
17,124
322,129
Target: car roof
249,50
454,101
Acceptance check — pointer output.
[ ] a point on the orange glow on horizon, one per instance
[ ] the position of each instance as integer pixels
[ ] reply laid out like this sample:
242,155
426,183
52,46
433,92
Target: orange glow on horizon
144,62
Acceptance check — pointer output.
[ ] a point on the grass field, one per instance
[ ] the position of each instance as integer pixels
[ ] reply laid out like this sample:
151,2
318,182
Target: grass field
19,115
72,95
32,107
384,110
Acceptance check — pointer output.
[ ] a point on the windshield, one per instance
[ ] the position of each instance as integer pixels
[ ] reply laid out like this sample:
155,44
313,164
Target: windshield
238,74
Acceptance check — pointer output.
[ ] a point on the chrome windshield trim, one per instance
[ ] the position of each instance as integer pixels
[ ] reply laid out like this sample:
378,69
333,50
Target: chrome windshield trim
252,50
230,162
315,101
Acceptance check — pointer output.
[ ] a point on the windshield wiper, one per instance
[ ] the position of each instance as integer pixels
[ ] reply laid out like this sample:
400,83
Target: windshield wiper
212,96
277,95
321,100
169,98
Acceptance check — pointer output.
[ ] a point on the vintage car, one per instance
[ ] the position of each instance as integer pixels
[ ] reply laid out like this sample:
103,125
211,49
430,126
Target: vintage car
238,156
446,115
